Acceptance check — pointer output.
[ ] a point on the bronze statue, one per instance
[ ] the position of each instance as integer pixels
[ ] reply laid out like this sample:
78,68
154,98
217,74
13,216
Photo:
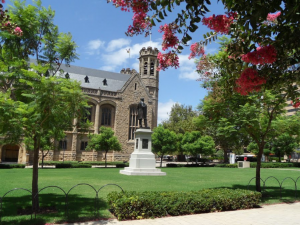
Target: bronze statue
142,113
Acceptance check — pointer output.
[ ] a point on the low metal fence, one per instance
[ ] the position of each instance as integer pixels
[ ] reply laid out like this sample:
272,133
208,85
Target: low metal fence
66,195
280,184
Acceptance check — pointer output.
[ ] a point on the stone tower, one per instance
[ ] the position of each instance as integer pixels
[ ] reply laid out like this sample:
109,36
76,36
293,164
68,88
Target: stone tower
150,76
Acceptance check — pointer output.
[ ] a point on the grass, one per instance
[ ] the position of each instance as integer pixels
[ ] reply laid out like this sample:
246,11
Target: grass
82,198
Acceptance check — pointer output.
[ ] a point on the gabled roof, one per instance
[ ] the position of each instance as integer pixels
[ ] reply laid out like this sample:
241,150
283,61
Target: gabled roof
115,81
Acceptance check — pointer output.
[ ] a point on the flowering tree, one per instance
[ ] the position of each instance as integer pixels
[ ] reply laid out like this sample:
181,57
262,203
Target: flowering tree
6,24
264,36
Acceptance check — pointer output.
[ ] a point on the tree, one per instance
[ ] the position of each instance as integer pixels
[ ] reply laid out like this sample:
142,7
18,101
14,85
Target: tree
257,30
104,141
163,142
195,144
284,144
180,119
35,98
213,109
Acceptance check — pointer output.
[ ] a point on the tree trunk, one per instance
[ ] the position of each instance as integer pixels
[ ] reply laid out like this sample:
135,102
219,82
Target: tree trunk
35,175
43,159
105,159
225,156
161,158
257,180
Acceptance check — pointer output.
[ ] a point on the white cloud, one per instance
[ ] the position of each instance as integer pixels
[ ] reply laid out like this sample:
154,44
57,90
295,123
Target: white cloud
136,66
107,68
164,110
93,47
187,69
120,58
117,43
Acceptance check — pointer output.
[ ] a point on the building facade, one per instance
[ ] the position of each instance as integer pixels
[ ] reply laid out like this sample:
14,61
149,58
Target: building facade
113,99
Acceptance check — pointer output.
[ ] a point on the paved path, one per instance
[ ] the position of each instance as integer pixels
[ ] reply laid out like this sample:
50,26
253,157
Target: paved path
279,214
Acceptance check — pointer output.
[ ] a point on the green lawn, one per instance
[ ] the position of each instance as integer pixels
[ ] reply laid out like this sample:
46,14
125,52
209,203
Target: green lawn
82,198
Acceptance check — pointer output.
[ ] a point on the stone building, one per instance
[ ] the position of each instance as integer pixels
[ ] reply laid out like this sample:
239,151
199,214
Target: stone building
113,99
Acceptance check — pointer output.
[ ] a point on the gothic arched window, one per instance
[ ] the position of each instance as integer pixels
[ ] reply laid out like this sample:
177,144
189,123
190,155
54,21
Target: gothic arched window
107,115
133,121
145,68
152,68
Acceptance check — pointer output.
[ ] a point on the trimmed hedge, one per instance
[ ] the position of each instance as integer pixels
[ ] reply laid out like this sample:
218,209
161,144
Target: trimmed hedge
73,165
263,165
84,162
10,166
141,205
189,165
227,165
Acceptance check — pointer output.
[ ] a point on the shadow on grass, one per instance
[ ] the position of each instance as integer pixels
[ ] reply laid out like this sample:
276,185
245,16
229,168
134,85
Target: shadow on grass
273,193
78,209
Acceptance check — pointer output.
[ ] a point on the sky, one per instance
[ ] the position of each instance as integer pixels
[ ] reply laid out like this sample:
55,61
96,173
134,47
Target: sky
98,28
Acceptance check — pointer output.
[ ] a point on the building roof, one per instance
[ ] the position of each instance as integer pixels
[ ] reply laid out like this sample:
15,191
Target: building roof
115,81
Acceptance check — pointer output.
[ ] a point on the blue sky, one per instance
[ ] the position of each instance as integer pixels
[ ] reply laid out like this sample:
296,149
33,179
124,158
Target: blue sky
98,28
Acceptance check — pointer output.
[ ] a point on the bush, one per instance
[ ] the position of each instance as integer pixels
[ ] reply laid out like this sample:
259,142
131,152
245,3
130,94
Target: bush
73,165
122,165
198,165
10,166
227,165
272,165
141,205
171,165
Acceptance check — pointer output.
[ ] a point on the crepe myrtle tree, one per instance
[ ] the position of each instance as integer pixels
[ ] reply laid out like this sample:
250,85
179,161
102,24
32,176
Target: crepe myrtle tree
259,31
163,142
194,144
104,141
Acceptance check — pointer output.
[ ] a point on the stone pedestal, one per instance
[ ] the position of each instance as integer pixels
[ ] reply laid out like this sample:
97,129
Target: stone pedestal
142,160
243,164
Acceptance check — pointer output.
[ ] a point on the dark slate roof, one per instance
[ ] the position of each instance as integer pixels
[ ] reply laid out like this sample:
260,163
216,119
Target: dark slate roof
115,81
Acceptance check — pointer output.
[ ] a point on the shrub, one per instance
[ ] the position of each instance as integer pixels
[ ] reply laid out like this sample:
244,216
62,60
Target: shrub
272,165
10,166
171,165
140,205
73,165
227,165
122,165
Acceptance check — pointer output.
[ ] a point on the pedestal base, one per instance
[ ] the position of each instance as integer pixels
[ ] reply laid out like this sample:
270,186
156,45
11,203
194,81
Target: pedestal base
142,160
142,172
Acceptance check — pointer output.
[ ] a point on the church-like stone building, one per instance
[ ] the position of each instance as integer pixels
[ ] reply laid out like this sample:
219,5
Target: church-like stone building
113,98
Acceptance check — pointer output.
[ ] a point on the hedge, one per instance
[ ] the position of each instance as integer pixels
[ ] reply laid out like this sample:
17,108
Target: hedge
189,165
81,162
73,165
141,205
263,165
10,166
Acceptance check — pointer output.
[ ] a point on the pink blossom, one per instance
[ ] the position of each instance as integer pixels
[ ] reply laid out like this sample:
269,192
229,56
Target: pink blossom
140,9
3,1
196,50
262,55
7,24
296,104
167,60
249,82
273,17
18,31
220,23
169,38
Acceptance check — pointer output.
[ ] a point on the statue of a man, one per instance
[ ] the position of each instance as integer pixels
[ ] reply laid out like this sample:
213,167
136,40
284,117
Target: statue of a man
142,112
